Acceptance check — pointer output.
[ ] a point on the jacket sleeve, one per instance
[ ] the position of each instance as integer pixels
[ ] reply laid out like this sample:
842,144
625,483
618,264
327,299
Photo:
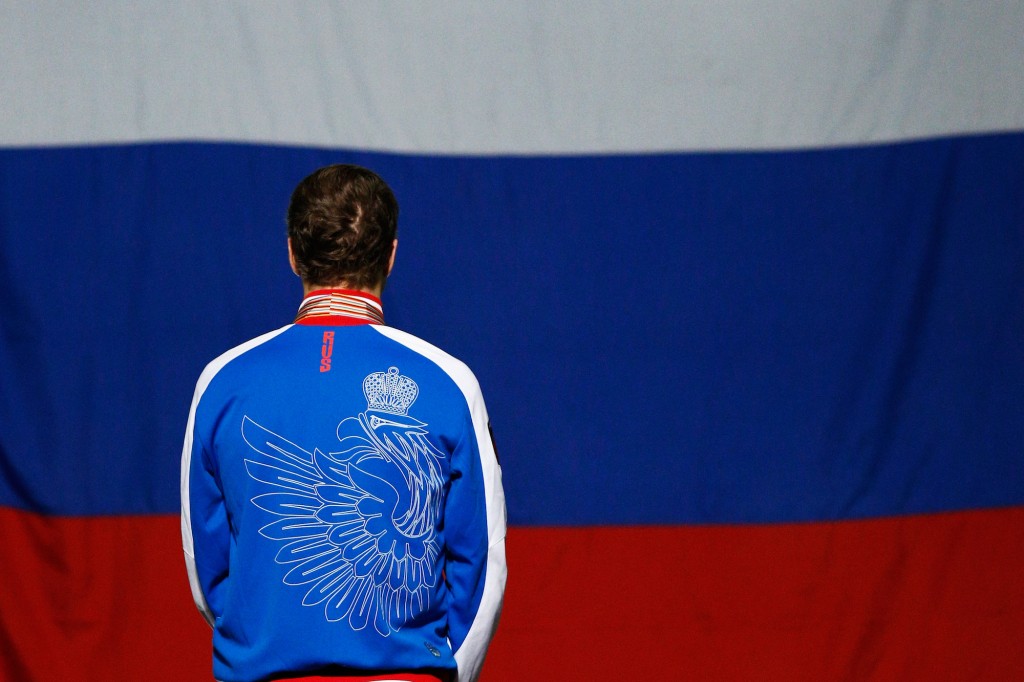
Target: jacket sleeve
475,540
204,524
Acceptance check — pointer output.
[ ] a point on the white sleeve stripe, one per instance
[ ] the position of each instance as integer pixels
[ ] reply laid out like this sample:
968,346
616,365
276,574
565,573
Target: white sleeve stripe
470,655
186,462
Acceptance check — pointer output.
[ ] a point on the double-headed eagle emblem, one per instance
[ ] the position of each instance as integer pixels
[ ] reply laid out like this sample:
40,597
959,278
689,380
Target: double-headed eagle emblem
357,526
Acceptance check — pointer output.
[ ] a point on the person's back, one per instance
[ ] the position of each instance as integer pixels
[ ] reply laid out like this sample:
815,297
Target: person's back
342,509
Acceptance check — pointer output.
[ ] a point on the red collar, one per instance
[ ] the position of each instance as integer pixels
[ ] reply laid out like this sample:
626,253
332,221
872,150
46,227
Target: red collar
340,307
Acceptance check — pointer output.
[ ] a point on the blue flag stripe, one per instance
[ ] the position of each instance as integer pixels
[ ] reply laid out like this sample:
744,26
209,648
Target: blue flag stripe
677,338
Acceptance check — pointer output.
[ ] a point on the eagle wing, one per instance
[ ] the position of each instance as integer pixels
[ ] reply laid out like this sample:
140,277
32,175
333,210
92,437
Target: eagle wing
328,511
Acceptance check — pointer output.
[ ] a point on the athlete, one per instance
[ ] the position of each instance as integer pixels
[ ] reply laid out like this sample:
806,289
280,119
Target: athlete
342,510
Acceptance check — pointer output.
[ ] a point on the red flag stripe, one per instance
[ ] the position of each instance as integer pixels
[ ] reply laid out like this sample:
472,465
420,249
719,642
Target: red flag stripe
924,597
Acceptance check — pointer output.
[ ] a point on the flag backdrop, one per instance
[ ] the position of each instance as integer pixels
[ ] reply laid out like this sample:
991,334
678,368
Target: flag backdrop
743,283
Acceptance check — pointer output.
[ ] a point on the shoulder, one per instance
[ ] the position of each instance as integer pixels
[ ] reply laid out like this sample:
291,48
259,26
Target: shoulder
217,365
458,371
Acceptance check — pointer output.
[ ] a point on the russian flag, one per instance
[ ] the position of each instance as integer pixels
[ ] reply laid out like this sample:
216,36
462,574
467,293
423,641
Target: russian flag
743,284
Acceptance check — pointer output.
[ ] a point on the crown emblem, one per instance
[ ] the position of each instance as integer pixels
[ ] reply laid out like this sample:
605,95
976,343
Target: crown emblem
390,392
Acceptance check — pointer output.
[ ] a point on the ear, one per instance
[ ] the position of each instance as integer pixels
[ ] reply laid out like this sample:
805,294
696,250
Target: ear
391,261
291,257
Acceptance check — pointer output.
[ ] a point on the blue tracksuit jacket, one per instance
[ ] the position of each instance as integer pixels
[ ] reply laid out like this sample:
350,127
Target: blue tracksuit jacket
342,506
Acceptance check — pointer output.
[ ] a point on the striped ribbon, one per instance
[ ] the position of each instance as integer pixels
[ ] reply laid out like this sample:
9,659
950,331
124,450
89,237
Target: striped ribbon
337,303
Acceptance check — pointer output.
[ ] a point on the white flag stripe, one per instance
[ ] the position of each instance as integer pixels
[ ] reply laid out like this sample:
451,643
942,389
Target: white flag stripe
504,78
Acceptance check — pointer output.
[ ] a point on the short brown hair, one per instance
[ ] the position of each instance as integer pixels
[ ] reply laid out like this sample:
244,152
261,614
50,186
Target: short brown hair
342,221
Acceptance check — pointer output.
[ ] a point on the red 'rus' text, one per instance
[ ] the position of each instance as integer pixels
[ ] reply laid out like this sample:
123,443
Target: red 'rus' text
325,352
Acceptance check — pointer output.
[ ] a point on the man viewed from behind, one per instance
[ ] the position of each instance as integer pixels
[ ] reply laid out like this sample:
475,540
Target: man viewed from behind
342,509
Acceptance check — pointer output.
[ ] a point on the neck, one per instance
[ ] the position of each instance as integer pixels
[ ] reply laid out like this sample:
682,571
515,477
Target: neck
374,291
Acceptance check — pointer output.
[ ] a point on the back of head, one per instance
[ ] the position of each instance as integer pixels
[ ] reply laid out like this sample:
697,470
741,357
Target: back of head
342,222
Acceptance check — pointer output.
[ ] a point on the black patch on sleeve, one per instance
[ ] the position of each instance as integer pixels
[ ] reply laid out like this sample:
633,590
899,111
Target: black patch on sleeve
493,444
